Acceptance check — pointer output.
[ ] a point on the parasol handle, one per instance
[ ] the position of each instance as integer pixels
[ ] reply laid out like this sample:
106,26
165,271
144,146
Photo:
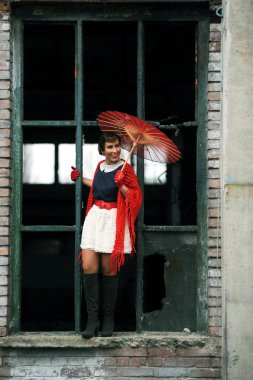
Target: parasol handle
129,154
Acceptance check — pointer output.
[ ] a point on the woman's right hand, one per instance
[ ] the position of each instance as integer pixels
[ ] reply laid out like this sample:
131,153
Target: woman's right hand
74,174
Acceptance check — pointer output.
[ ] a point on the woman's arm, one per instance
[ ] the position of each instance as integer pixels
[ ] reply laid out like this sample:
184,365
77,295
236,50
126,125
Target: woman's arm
87,182
123,190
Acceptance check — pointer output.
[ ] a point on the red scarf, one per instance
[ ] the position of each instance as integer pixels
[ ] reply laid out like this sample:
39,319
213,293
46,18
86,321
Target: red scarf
127,206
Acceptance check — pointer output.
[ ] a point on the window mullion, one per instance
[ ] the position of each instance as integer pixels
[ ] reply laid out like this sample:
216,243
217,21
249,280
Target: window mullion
140,174
17,159
79,143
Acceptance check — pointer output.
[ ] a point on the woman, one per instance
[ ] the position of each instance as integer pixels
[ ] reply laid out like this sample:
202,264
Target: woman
108,231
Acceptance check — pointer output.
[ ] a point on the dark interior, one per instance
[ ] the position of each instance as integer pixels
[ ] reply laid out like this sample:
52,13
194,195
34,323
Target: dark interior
109,82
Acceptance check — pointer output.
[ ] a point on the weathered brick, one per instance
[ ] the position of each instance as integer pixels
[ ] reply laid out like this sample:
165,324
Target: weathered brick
5,104
213,144
214,115
4,54
214,96
19,361
214,272
214,106
4,163
213,134
215,322
3,291
213,164
214,46
215,36
5,142
214,292
213,252
5,132
4,182
4,65
215,27
214,242
5,84
155,361
214,66
214,222
213,153
5,114
4,241
160,352
3,299
4,192
4,201
213,173
215,301
4,250
214,282
4,26
215,311
213,193
3,320
5,152
214,77
215,57
214,87
3,332
4,260
3,280
5,123
214,184
4,74
216,331
5,36
5,45
4,94
3,311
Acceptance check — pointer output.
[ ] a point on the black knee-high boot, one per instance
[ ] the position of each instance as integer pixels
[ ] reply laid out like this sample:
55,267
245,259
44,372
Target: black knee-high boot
110,288
91,290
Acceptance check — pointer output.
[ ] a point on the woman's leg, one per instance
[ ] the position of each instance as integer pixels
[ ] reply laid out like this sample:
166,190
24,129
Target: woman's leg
110,288
90,264
90,261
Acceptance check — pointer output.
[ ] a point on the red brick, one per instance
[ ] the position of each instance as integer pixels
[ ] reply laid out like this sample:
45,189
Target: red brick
215,46
214,96
155,361
4,163
162,352
4,251
214,183
196,351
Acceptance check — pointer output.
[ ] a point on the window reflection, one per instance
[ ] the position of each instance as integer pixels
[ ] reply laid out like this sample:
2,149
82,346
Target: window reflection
38,163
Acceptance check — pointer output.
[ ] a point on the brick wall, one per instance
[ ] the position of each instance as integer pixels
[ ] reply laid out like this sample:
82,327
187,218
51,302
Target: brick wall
117,364
5,152
213,156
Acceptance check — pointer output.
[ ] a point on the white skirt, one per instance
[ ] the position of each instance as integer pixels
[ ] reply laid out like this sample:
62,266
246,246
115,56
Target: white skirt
99,231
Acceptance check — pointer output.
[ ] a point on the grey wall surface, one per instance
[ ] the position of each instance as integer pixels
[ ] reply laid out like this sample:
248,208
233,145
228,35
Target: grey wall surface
237,189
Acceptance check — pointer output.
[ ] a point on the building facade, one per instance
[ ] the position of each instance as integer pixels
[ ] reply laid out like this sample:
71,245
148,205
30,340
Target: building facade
175,64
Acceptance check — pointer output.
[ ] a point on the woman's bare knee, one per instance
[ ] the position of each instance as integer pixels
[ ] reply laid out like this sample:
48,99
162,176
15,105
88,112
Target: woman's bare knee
90,261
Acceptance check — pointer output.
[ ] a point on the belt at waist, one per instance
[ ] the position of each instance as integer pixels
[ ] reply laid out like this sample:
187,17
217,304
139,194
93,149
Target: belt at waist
106,205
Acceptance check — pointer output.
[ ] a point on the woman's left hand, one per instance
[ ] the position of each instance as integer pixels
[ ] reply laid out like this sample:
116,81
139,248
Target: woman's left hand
119,178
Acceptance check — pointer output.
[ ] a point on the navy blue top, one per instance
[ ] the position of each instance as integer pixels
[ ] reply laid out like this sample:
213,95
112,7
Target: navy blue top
104,187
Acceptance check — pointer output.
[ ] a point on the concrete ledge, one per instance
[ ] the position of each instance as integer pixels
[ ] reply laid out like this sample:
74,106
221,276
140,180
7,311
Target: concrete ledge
144,340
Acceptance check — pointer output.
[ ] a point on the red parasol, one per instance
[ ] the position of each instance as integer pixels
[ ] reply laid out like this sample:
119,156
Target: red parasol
156,146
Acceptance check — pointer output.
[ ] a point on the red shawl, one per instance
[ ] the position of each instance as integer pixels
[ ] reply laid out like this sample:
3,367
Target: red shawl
128,206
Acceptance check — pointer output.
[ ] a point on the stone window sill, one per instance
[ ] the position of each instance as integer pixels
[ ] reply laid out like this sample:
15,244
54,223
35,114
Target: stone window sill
118,340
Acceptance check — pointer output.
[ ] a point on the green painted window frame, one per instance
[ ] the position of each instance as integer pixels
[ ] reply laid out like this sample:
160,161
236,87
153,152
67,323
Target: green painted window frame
76,15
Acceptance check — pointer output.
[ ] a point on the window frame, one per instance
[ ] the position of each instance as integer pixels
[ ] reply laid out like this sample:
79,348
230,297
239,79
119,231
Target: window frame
176,13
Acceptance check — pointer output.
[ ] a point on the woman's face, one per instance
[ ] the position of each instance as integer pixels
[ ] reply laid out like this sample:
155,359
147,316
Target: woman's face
112,151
